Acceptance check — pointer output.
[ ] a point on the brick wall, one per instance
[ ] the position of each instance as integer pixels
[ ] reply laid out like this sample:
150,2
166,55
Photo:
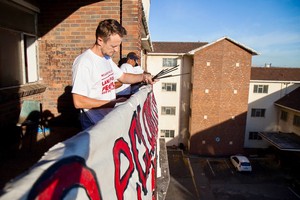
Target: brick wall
67,29
219,99
132,21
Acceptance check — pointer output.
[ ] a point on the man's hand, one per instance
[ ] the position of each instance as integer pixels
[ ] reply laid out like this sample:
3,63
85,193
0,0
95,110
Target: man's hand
148,78
118,84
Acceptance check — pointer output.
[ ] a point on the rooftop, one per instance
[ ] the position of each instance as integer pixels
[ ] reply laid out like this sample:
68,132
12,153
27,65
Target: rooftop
291,100
275,73
176,47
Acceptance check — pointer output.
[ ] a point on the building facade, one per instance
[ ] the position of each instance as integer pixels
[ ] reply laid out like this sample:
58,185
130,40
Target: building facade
173,94
267,85
215,75
223,102
40,40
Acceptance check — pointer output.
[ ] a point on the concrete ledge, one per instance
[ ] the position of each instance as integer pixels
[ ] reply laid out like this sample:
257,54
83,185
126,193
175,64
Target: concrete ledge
163,181
12,93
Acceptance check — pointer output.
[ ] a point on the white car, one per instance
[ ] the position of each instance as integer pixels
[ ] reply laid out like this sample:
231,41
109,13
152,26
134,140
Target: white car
241,163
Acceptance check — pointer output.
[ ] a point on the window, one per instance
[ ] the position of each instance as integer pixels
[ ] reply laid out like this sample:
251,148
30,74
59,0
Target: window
254,136
258,112
168,87
260,89
283,115
167,133
17,46
169,62
296,120
168,110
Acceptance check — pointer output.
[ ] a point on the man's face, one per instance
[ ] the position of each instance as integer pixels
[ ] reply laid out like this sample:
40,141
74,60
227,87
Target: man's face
111,46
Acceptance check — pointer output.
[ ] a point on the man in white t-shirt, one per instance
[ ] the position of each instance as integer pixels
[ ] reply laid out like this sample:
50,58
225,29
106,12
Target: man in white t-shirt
131,66
94,74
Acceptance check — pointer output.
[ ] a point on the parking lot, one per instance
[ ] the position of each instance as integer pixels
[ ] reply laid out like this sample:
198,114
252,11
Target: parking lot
216,179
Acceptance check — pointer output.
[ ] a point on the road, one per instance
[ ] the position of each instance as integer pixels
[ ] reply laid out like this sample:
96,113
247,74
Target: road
206,178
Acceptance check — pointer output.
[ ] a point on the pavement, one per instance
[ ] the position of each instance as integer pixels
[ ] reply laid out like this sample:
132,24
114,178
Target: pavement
187,180
181,184
204,178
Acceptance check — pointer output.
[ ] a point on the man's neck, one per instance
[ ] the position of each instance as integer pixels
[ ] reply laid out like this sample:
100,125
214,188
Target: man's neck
97,50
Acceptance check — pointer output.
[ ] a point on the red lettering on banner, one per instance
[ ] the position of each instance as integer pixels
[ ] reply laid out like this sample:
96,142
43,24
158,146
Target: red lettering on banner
64,175
139,192
139,149
153,178
135,131
151,122
121,183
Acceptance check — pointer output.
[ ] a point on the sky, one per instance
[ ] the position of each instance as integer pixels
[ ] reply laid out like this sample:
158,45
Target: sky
269,27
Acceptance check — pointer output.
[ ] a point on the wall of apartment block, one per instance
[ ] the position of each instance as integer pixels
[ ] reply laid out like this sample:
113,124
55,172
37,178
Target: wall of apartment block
221,76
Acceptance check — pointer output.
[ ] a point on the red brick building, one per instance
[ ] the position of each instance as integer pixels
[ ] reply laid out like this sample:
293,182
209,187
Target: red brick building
206,109
40,40
219,99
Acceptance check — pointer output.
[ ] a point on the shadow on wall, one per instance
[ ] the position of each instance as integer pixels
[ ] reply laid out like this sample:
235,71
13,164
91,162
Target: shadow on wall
228,137
51,9
69,115
21,148
222,139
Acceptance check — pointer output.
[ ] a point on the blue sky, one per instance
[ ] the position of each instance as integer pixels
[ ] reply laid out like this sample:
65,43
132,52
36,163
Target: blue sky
270,27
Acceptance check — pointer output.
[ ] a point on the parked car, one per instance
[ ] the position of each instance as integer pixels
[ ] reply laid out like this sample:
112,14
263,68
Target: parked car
241,163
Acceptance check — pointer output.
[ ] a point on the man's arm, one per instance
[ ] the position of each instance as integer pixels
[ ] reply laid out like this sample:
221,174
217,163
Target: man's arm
136,78
84,102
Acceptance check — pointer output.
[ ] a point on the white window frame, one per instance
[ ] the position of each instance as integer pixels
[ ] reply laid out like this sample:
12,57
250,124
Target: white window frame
167,133
23,64
168,110
169,87
261,89
169,62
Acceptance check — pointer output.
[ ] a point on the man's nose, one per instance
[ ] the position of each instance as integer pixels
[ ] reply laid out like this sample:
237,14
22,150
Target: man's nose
116,49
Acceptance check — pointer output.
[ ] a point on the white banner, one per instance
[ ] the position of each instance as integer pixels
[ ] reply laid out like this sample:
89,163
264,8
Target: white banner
115,159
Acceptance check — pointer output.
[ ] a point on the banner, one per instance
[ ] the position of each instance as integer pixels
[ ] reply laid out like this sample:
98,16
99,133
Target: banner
113,160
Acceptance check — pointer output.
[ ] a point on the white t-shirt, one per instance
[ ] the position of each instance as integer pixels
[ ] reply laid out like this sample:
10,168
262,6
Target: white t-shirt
128,68
93,76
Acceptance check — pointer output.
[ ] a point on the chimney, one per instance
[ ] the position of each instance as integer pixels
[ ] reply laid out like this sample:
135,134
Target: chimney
268,65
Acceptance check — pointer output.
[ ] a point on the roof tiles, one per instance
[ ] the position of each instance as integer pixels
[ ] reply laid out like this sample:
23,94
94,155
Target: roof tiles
291,100
176,47
275,73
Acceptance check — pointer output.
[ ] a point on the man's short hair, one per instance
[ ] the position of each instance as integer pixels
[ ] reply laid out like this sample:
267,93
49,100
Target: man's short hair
109,27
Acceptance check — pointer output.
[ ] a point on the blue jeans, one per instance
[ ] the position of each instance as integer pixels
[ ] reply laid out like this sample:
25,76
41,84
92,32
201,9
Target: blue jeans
92,116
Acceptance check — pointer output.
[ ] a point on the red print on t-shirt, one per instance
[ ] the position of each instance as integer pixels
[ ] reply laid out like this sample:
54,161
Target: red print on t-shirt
107,82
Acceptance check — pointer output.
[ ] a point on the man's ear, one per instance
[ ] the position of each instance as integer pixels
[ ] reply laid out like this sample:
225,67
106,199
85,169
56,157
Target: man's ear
99,41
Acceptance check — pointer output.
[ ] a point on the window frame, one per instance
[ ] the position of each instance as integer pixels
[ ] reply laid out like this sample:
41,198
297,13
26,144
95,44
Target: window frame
261,89
22,66
164,110
253,135
167,133
284,115
258,112
169,62
171,86
296,120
